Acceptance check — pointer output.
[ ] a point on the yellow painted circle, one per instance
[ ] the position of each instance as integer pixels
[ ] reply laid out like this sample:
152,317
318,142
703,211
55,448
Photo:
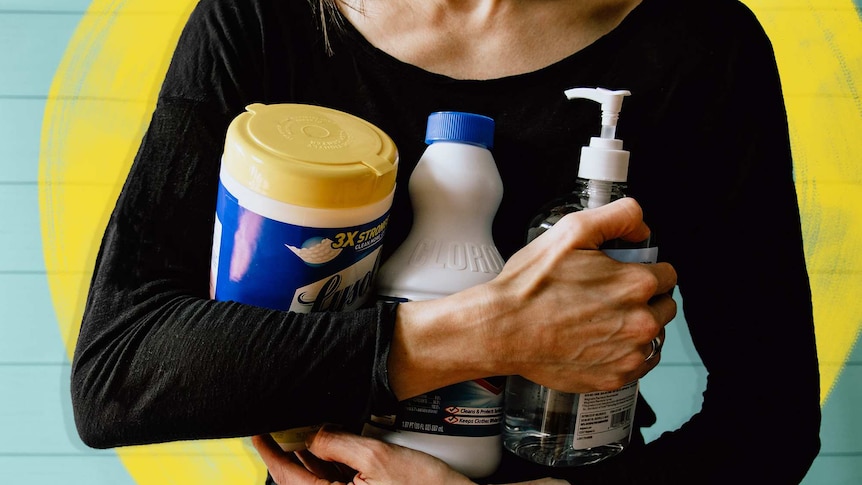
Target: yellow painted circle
105,88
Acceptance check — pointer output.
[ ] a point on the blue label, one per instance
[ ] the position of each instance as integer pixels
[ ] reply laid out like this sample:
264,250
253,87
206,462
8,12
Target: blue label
634,255
272,264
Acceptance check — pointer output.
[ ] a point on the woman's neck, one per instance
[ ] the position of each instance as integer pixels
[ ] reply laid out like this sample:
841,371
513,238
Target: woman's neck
483,39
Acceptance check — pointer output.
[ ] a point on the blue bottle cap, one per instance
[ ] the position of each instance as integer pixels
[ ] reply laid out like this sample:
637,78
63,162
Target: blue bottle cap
460,127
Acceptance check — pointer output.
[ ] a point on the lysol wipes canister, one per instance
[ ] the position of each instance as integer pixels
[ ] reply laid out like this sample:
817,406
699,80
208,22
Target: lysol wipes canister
303,202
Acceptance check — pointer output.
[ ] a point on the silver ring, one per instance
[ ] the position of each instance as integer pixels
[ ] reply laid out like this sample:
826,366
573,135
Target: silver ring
656,348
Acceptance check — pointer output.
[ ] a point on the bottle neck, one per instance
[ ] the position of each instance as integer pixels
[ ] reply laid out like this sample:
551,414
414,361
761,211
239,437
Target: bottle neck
596,193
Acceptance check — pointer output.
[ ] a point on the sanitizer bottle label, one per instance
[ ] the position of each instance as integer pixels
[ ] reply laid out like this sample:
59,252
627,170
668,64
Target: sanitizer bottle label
604,417
272,264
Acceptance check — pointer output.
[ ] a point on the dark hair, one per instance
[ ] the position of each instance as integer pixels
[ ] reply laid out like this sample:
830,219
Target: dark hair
330,18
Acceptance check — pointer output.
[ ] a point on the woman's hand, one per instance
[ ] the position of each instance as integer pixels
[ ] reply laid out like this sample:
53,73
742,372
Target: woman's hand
561,313
375,462
589,319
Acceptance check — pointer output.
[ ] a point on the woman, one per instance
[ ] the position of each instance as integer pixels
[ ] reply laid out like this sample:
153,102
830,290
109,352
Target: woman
711,168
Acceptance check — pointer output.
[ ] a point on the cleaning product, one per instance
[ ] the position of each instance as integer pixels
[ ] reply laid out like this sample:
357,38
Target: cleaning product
303,202
456,190
562,429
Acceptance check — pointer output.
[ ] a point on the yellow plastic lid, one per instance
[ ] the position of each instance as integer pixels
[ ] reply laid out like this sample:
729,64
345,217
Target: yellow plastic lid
310,156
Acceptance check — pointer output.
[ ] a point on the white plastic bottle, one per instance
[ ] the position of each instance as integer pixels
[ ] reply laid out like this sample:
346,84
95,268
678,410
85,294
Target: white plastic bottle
562,429
456,190
303,204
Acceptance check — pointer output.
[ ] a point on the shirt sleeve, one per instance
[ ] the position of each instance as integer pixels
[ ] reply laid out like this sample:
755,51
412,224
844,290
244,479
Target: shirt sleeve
156,359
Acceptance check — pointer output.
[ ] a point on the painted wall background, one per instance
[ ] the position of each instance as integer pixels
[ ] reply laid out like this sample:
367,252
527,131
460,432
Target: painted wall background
77,84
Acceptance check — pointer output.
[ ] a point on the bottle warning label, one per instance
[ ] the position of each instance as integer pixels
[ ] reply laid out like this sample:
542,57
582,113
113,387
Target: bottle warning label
605,417
473,408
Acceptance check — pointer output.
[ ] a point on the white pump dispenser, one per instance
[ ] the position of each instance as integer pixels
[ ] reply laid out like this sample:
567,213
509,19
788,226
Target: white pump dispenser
562,429
604,160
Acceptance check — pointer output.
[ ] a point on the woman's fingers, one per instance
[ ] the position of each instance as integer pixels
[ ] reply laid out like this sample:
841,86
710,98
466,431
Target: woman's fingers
379,463
620,219
322,468
333,445
664,308
268,449
665,277
284,467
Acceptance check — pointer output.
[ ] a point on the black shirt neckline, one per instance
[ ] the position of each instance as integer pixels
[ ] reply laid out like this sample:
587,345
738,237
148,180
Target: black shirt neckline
606,45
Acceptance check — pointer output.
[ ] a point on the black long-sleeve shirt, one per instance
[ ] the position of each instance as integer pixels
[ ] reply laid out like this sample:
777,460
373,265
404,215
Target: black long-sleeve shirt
711,165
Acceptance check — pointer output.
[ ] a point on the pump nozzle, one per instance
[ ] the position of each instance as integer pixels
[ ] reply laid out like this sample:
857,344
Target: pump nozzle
611,101
604,159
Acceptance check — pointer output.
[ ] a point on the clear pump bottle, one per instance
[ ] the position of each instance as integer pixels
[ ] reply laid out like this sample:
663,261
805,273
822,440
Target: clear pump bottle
563,429
456,190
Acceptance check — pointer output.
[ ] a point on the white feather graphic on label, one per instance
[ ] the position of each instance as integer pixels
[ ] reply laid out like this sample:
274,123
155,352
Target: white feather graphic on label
320,253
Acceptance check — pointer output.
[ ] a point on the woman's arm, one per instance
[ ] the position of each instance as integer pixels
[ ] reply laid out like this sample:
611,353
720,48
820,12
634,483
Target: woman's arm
156,360
524,321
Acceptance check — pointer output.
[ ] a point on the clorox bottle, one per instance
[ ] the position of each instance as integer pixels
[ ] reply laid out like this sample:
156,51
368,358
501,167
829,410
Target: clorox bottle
456,190
303,203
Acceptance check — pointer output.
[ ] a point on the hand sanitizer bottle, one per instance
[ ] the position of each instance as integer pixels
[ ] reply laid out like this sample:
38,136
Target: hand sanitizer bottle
562,429
456,190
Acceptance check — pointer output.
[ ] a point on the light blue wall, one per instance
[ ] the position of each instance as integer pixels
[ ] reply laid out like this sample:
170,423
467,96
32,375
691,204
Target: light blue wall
38,444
